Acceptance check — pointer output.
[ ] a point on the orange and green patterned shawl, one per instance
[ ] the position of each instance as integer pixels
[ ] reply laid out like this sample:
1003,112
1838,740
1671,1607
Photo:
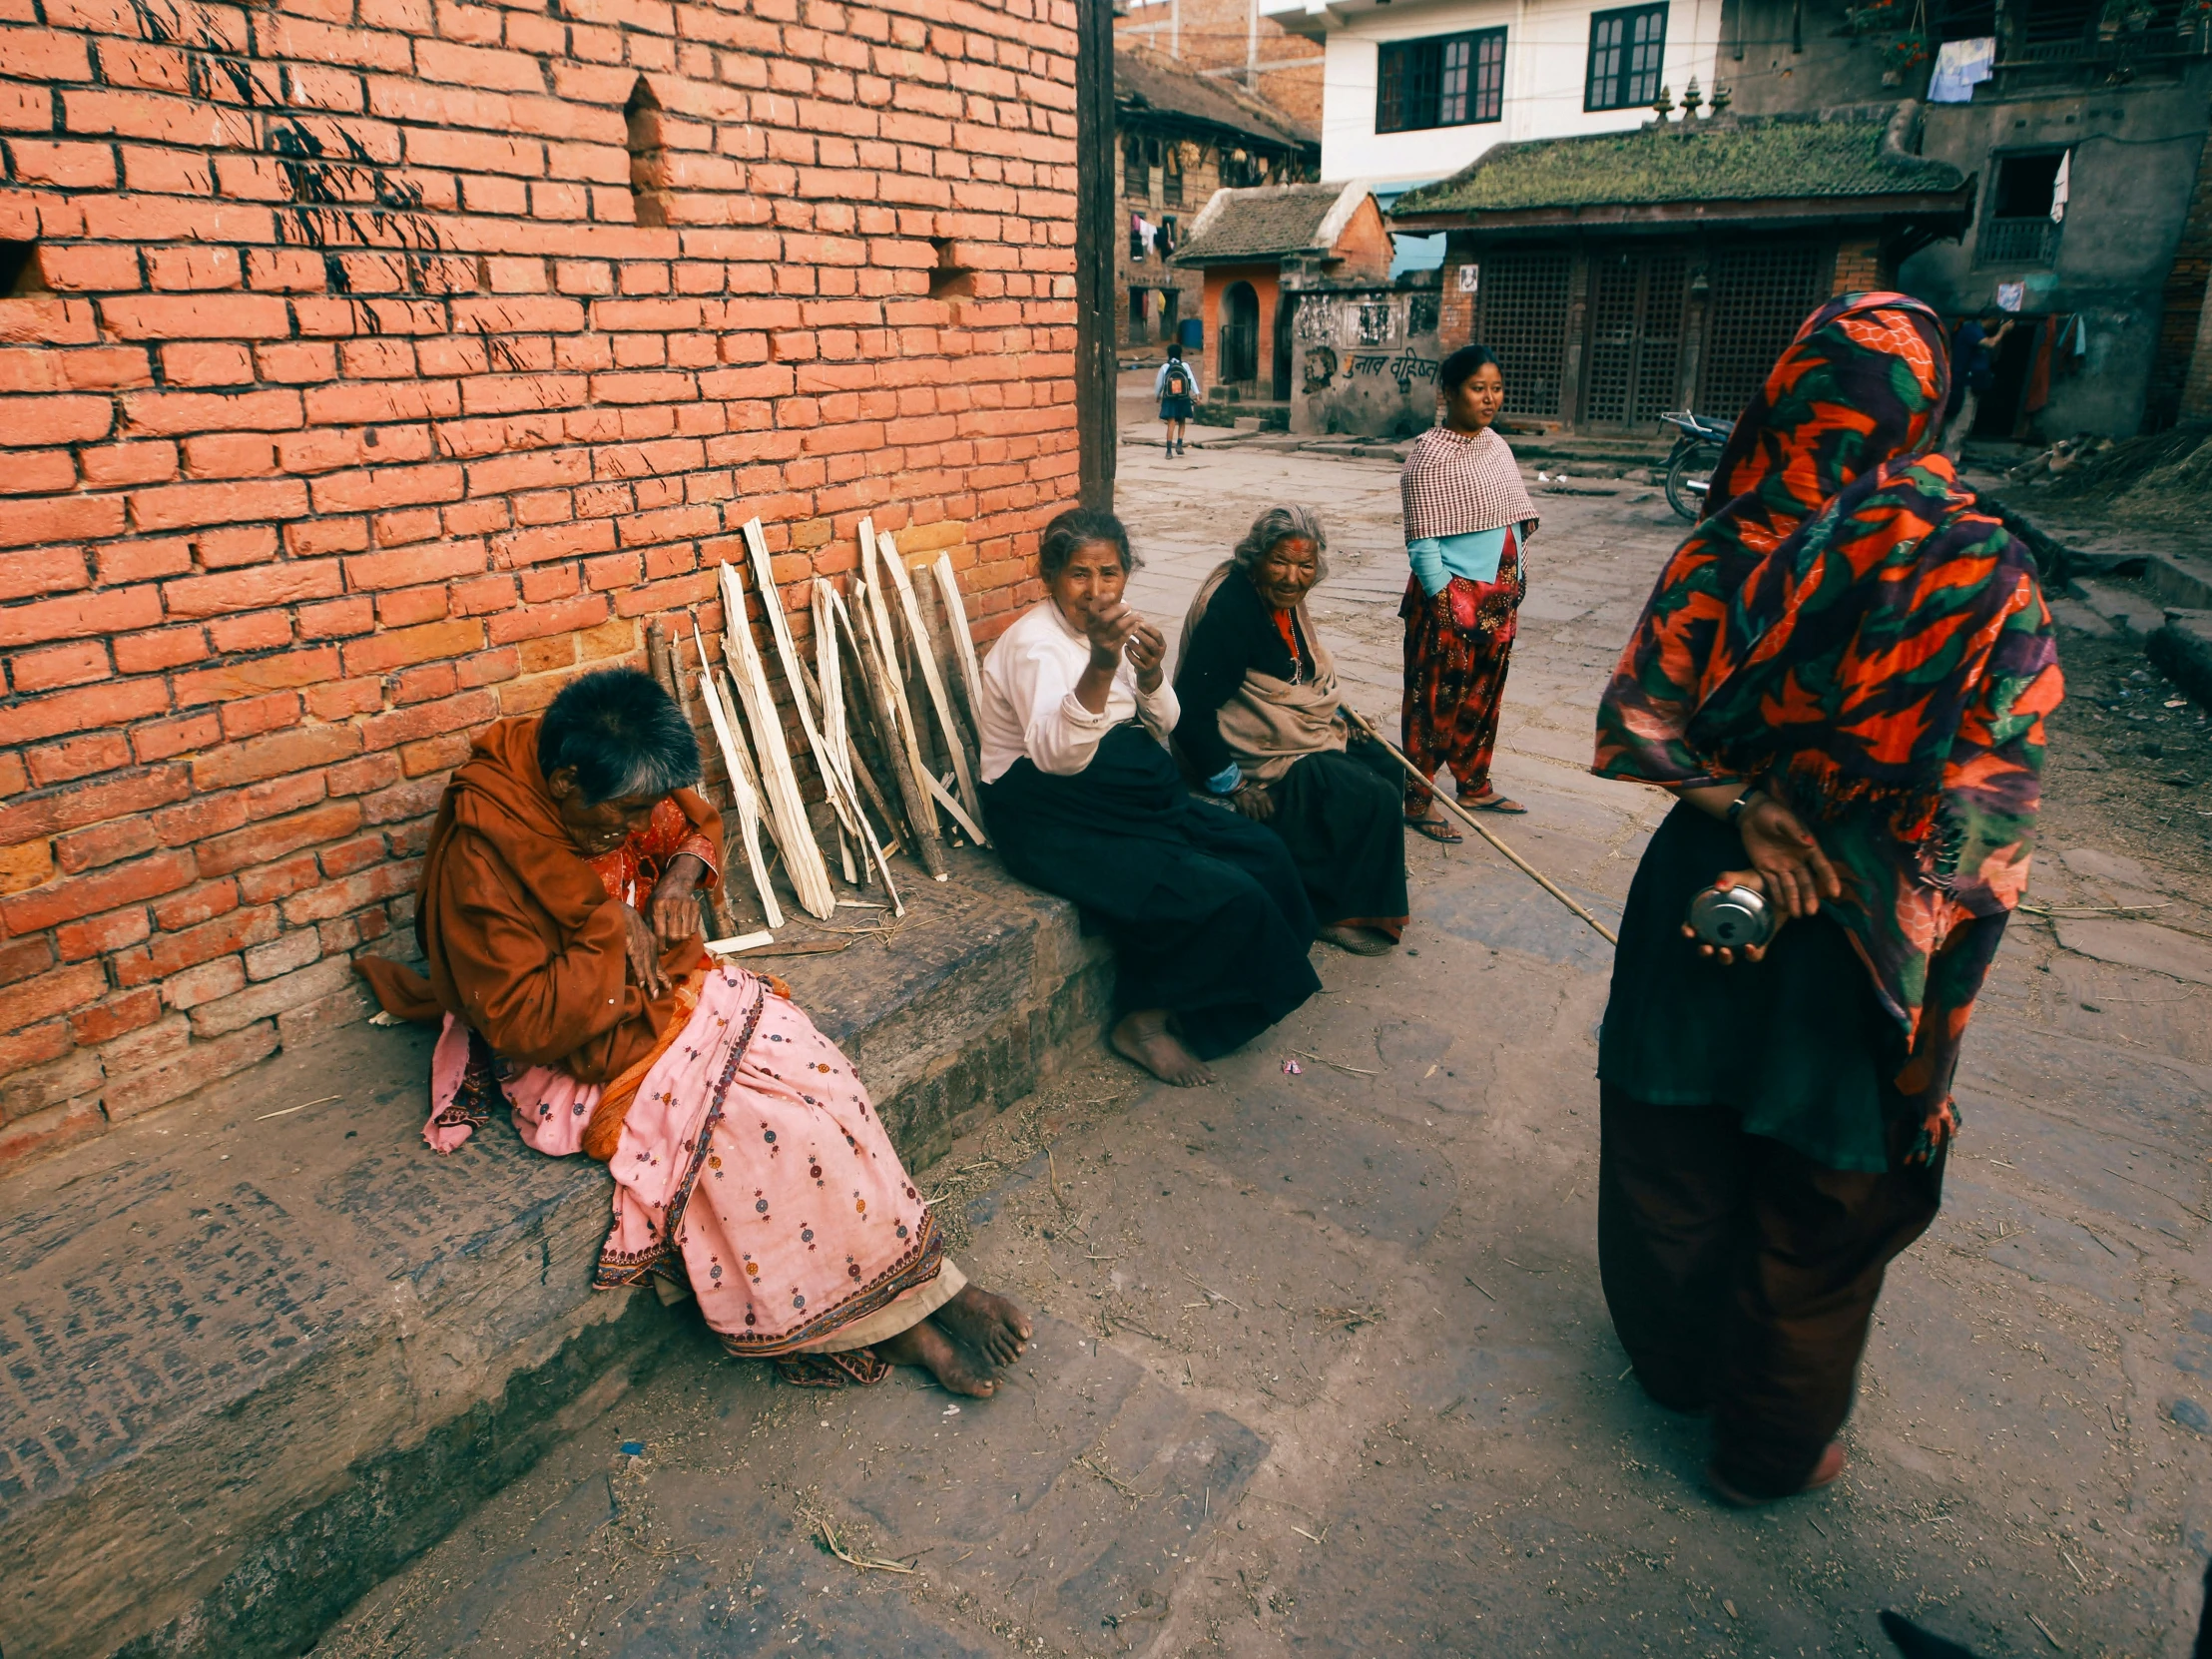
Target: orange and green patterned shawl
1847,628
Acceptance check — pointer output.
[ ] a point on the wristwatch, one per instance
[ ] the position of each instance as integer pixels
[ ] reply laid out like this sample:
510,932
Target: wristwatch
1741,805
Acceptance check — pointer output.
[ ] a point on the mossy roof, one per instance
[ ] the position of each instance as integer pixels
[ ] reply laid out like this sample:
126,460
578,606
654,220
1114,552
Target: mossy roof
1746,159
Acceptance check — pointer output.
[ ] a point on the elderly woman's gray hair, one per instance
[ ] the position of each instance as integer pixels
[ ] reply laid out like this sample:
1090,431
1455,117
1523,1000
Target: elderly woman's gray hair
1276,526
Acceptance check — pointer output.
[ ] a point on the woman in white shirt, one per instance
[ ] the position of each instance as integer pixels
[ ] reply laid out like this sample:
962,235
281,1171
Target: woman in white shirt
1209,922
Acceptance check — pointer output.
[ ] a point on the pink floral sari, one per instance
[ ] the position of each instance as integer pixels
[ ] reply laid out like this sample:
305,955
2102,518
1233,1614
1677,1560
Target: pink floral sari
752,1170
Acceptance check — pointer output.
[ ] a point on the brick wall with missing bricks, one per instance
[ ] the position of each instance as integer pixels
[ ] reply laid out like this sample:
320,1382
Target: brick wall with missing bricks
370,366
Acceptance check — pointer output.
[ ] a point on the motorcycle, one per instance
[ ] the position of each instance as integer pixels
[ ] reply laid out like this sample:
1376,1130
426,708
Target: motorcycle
1690,463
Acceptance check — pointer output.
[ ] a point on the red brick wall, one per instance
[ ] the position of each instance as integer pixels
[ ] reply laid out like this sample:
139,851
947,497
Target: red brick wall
373,370
2182,374
1859,267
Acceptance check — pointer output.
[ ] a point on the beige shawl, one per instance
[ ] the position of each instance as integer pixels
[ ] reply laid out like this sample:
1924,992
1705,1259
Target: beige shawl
1270,723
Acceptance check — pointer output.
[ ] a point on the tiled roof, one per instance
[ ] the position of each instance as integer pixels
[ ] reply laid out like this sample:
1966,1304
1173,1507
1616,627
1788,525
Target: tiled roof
1262,224
1145,80
1745,159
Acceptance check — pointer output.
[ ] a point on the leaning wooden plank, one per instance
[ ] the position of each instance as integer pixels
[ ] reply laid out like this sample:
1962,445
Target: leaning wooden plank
663,655
887,645
744,797
786,651
835,736
963,642
945,797
740,941
858,767
921,818
926,655
801,854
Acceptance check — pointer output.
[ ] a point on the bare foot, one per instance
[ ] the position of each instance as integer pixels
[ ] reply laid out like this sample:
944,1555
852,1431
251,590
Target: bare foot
1145,1038
1360,941
991,1324
925,1346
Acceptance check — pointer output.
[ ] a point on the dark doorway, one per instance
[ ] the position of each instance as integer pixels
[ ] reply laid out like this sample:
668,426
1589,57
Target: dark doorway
1285,305
2000,415
1239,335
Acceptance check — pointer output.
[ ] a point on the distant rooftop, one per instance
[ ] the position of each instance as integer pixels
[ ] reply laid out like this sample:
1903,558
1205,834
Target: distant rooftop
1270,221
1718,160
1145,80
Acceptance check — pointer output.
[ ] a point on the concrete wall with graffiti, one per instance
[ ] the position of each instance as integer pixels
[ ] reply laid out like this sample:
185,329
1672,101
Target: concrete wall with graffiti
1363,360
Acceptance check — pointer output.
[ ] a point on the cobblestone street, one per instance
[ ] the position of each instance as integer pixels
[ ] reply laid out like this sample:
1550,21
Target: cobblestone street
1322,1365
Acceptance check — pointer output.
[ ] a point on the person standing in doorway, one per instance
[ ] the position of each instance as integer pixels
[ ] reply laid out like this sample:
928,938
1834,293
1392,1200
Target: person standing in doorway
1467,523
1973,366
1176,386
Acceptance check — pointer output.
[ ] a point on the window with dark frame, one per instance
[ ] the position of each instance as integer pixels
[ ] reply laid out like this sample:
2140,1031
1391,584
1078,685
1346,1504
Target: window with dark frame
1628,49
1171,175
1445,81
2018,227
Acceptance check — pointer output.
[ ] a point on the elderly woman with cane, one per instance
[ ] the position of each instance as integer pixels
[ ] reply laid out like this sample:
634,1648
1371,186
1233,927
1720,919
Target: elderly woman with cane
559,924
1263,728
1841,676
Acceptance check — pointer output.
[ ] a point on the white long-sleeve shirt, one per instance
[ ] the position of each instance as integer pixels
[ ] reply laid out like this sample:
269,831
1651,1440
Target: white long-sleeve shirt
1029,705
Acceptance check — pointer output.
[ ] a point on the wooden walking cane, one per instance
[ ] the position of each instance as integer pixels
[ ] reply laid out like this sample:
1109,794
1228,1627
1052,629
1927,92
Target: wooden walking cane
1453,806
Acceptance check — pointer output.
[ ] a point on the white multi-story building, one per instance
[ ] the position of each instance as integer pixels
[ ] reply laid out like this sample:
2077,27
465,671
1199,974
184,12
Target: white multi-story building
1415,90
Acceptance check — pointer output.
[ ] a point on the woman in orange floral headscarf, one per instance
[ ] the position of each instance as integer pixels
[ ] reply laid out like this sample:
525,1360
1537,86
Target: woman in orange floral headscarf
1842,675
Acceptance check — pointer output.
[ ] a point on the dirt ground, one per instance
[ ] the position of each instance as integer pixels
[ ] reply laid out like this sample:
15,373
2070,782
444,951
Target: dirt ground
1324,1366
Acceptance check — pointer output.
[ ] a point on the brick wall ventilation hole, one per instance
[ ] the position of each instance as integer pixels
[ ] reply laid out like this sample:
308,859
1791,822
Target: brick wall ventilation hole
19,272
648,155
948,279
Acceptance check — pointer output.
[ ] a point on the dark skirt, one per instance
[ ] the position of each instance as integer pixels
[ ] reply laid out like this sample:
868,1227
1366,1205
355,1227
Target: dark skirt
1339,813
1175,409
1796,1043
1205,908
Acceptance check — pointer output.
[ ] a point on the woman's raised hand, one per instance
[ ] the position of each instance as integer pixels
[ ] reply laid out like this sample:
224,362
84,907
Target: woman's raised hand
644,952
1110,628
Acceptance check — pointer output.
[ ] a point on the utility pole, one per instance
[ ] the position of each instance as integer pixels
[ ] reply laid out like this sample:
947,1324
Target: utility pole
1096,366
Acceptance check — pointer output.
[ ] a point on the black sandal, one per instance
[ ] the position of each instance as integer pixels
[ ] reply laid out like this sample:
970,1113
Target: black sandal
1437,830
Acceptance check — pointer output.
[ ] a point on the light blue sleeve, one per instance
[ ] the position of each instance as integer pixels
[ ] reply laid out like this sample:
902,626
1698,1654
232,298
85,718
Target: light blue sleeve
1428,559
1225,781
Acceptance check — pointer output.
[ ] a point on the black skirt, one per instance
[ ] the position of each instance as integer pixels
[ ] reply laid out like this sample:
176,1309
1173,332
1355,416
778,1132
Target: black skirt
1341,816
1797,1043
1205,908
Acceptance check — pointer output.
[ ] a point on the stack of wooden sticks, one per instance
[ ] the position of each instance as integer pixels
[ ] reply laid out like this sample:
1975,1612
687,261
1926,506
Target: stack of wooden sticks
903,662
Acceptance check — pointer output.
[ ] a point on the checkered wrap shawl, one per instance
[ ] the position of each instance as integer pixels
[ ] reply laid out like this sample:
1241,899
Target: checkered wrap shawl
1458,483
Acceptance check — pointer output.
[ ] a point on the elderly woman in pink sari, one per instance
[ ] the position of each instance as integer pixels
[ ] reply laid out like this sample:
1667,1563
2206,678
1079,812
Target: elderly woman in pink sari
559,921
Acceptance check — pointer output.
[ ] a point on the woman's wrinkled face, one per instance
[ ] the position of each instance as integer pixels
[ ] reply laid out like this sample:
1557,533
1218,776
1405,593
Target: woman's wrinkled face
1474,402
1091,580
598,830
1288,572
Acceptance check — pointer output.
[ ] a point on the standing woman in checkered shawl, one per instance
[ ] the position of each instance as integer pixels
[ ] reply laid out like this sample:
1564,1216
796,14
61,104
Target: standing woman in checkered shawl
1467,519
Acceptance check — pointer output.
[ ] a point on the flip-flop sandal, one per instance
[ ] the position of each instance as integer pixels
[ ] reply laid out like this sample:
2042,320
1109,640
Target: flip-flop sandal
1491,802
1437,830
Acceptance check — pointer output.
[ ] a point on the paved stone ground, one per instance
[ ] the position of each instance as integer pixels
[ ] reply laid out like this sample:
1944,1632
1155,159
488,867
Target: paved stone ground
1323,1367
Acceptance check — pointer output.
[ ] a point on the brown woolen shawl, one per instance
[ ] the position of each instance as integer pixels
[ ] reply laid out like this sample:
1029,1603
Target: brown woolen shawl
522,942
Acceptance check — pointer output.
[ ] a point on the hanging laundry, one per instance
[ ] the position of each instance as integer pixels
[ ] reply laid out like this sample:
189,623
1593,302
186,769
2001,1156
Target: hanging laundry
2038,375
1149,231
1136,238
2059,186
1960,66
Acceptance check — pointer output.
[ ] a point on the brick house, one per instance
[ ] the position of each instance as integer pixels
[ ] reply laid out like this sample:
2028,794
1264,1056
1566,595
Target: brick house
1617,277
369,374
1245,244
1180,138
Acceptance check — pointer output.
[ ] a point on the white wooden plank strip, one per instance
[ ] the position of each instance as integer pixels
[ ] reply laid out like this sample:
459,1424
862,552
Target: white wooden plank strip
801,854
830,676
926,657
746,798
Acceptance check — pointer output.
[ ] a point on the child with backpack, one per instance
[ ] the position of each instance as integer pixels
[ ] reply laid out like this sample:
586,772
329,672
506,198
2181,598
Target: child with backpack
1176,386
